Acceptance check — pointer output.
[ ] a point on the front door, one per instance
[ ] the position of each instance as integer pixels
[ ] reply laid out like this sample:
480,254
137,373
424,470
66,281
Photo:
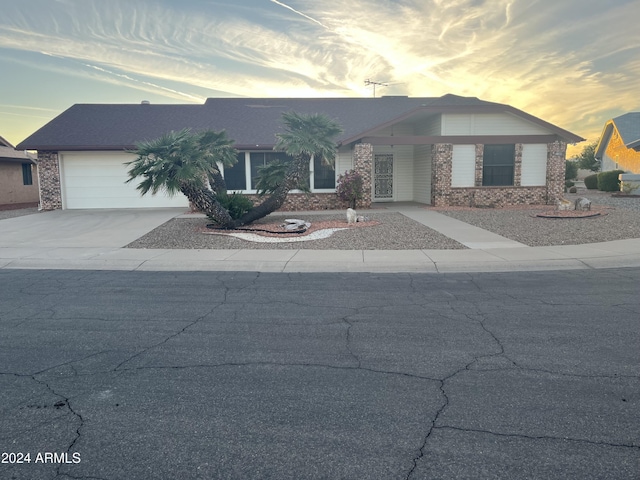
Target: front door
383,177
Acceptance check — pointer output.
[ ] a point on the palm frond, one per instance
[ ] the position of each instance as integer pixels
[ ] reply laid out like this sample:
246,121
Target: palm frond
309,135
178,158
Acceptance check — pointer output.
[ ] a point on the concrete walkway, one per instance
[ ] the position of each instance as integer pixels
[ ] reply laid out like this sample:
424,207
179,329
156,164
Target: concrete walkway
94,240
468,235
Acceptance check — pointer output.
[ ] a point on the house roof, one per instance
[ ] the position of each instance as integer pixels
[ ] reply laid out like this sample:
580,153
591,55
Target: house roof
250,122
9,154
628,126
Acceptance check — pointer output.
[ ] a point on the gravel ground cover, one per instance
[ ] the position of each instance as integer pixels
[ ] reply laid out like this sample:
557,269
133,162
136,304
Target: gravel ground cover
621,220
18,212
395,232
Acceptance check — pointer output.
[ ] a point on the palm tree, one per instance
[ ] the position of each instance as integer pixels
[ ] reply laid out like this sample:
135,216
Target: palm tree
188,163
305,137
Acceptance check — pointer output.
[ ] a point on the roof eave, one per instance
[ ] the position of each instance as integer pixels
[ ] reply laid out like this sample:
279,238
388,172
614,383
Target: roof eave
492,108
603,141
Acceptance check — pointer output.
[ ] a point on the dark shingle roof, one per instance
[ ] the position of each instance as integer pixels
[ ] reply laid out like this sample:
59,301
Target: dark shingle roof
251,122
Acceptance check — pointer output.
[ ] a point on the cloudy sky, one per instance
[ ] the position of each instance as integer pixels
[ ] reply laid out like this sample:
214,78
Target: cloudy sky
575,63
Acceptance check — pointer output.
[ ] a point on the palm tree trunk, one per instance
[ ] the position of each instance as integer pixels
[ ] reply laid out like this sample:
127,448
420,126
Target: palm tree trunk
205,201
216,180
299,169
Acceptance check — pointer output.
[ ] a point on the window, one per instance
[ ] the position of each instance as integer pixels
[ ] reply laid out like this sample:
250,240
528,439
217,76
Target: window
498,165
27,177
244,174
324,176
236,177
264,158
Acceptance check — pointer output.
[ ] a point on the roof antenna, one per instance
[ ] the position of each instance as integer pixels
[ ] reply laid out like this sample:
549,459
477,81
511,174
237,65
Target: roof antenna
368,82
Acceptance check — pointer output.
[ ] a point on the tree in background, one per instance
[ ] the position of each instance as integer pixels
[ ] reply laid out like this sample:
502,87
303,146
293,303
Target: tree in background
571,170
587,158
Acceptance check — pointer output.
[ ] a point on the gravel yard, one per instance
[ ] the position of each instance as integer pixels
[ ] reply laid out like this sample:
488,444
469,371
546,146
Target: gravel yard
622,220
395,232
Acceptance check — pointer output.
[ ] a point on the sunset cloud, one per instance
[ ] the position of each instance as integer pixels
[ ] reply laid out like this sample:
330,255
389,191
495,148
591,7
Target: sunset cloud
552,59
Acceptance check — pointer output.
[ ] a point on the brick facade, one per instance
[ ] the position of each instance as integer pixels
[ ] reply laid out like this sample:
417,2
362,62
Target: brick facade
442,194
49,179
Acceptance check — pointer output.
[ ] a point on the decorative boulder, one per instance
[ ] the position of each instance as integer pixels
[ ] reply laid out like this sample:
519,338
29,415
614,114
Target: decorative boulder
352,216
583,204
294,225
564,205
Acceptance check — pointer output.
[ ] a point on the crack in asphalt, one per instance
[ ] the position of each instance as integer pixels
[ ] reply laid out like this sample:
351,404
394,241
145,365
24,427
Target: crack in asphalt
173,335
71,410
280,364
536,437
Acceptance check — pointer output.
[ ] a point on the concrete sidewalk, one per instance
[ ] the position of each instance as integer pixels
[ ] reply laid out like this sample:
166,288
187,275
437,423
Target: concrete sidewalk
94,240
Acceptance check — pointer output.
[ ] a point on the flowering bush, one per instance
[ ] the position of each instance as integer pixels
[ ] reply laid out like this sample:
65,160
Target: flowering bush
350,187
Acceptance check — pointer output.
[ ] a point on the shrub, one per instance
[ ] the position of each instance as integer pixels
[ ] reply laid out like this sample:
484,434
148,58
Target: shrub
608,181
568,184
236,204
591,182
350,187
571,170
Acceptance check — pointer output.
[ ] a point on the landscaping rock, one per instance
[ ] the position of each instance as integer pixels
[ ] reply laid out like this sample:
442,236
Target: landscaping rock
293,224
583,204
564,205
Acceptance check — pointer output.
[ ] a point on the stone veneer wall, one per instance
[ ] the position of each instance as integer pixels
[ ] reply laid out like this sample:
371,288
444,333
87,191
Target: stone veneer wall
363,164
445,195
49,179
441,163
556,164
306,201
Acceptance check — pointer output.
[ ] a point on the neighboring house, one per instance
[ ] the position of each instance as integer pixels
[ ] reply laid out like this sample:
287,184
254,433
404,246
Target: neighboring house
449,150
18,177
619,144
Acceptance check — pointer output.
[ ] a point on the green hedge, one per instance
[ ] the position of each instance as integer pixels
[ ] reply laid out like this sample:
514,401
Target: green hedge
591,182
608,181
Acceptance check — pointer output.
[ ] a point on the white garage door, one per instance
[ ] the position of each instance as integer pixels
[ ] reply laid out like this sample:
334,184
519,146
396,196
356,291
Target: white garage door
97,180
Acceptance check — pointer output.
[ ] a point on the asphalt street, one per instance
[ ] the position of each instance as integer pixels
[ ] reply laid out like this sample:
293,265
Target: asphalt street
241,375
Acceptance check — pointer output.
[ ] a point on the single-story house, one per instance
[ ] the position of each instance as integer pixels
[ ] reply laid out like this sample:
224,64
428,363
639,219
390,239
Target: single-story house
619,144
18,177
448,150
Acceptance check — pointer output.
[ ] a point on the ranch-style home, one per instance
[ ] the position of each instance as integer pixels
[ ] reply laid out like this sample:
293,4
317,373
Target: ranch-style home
619,144
449,150
18,178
